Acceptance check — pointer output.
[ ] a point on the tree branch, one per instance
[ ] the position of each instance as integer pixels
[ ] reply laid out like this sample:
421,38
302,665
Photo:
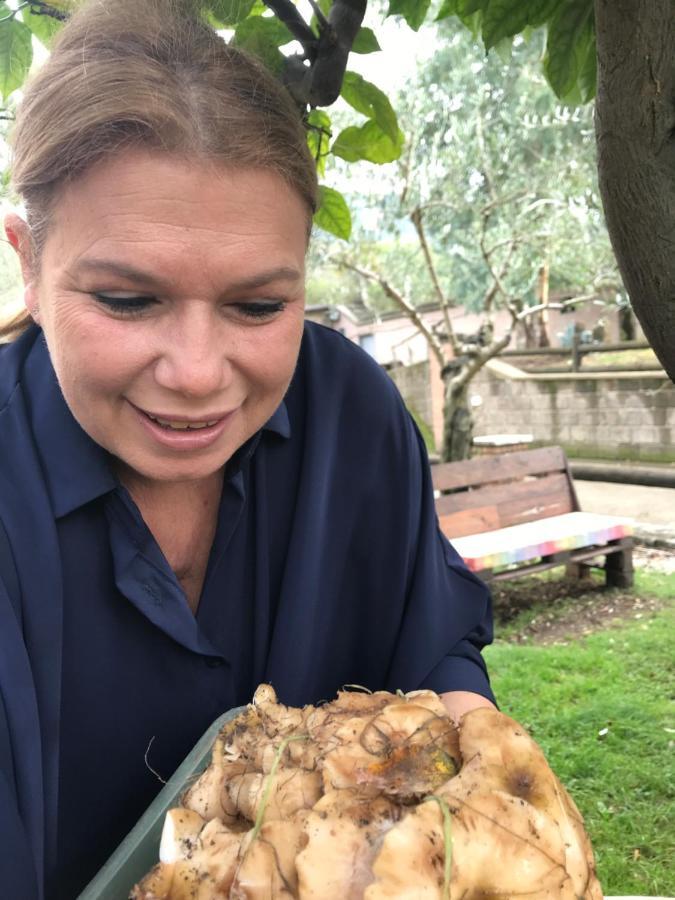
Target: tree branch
333,48
432,339
38,8
467,372
573,301
406,164
497,277
503,201
318,12
484,356
416,219
487,174
287,13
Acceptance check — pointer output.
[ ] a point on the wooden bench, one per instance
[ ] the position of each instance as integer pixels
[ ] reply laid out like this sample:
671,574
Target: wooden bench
516,513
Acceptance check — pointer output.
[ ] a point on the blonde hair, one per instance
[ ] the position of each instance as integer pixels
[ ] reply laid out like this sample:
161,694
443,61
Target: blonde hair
148,73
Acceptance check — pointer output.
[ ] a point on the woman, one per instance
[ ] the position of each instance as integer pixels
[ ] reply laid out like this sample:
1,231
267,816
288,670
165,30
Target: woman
198,492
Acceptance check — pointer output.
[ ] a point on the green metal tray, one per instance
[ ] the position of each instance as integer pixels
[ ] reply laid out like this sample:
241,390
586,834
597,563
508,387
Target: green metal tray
139,851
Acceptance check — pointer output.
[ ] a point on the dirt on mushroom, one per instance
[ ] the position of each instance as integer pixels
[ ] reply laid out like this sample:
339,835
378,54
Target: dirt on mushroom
373,796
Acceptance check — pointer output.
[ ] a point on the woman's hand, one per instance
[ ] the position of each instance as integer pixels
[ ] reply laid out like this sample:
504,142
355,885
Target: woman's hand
459,702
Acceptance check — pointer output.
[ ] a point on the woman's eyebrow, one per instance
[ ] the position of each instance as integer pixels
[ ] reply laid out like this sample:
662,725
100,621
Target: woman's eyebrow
138,276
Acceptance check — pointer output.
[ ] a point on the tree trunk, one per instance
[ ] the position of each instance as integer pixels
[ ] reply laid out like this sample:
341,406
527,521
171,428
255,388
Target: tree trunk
457,421
530,336
635,121
543,339
626,324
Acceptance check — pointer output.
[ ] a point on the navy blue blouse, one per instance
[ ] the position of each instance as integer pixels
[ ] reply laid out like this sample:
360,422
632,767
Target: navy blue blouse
327,568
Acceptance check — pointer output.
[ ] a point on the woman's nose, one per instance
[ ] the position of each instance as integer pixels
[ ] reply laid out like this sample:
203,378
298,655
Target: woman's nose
194,359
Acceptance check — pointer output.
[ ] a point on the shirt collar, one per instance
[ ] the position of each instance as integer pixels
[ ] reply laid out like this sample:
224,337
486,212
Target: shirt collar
279,422
77,470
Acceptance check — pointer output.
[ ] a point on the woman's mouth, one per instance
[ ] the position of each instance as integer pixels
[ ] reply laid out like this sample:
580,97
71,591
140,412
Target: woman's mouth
184,433
177,425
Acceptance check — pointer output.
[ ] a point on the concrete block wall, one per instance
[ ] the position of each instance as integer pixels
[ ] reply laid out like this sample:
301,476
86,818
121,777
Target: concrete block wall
606,417
415,386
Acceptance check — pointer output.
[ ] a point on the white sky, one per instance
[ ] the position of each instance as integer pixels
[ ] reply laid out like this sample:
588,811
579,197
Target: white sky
402,51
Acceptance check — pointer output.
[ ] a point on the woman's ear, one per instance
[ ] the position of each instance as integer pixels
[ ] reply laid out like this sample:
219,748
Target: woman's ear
18,235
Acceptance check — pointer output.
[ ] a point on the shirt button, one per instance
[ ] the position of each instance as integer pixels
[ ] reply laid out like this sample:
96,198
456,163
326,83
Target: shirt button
213,662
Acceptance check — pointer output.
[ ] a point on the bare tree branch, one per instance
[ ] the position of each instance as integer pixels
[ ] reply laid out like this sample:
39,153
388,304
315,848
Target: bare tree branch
417,219
573,301
485,165
406,168
484,356
503,201
497,277
432,339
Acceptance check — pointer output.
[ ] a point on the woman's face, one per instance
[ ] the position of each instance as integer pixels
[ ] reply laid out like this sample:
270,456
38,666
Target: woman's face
171,295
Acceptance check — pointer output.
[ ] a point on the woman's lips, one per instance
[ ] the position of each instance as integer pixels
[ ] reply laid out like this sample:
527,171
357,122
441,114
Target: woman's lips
182,432
184,424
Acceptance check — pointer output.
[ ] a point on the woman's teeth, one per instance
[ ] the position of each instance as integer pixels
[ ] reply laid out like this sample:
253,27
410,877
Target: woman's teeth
182,426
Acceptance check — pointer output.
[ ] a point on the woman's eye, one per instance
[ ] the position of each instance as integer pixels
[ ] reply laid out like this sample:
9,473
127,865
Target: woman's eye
125,304
260,309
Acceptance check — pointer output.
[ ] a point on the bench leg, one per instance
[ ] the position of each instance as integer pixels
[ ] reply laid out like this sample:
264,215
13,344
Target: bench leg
619,568
578,570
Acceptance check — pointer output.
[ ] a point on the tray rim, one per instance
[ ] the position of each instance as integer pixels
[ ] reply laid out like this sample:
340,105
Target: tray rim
139,851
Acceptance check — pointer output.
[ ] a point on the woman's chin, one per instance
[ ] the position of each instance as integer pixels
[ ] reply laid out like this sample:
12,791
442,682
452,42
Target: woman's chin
163,472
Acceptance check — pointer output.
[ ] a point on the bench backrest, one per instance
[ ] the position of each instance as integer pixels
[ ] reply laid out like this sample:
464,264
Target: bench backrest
492,492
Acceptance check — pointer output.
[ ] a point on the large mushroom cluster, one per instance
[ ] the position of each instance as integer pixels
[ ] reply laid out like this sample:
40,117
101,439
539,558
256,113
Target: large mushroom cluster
373,796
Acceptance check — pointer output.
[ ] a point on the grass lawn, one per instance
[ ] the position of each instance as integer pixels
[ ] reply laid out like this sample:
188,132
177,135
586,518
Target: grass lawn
601,707
622,358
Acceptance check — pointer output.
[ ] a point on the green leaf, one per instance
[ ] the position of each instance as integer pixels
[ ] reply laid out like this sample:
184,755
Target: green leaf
570,34
365,41
365,98
573,96
229,12
318,137
333,213
540,11
16,52
413,11
472,21
262,36
503,18
469,7
448,8
43,27
588,76
504,49
367,142
258,8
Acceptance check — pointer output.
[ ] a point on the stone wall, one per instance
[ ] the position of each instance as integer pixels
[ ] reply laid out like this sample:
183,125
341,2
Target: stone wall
609,417
414,384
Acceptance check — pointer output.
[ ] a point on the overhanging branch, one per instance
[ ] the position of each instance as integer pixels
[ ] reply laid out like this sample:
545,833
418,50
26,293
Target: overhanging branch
38,8
287,13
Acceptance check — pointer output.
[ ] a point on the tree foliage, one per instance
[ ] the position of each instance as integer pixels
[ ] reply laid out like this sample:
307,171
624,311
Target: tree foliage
484,136
633,40
569,61
472,218
317,73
